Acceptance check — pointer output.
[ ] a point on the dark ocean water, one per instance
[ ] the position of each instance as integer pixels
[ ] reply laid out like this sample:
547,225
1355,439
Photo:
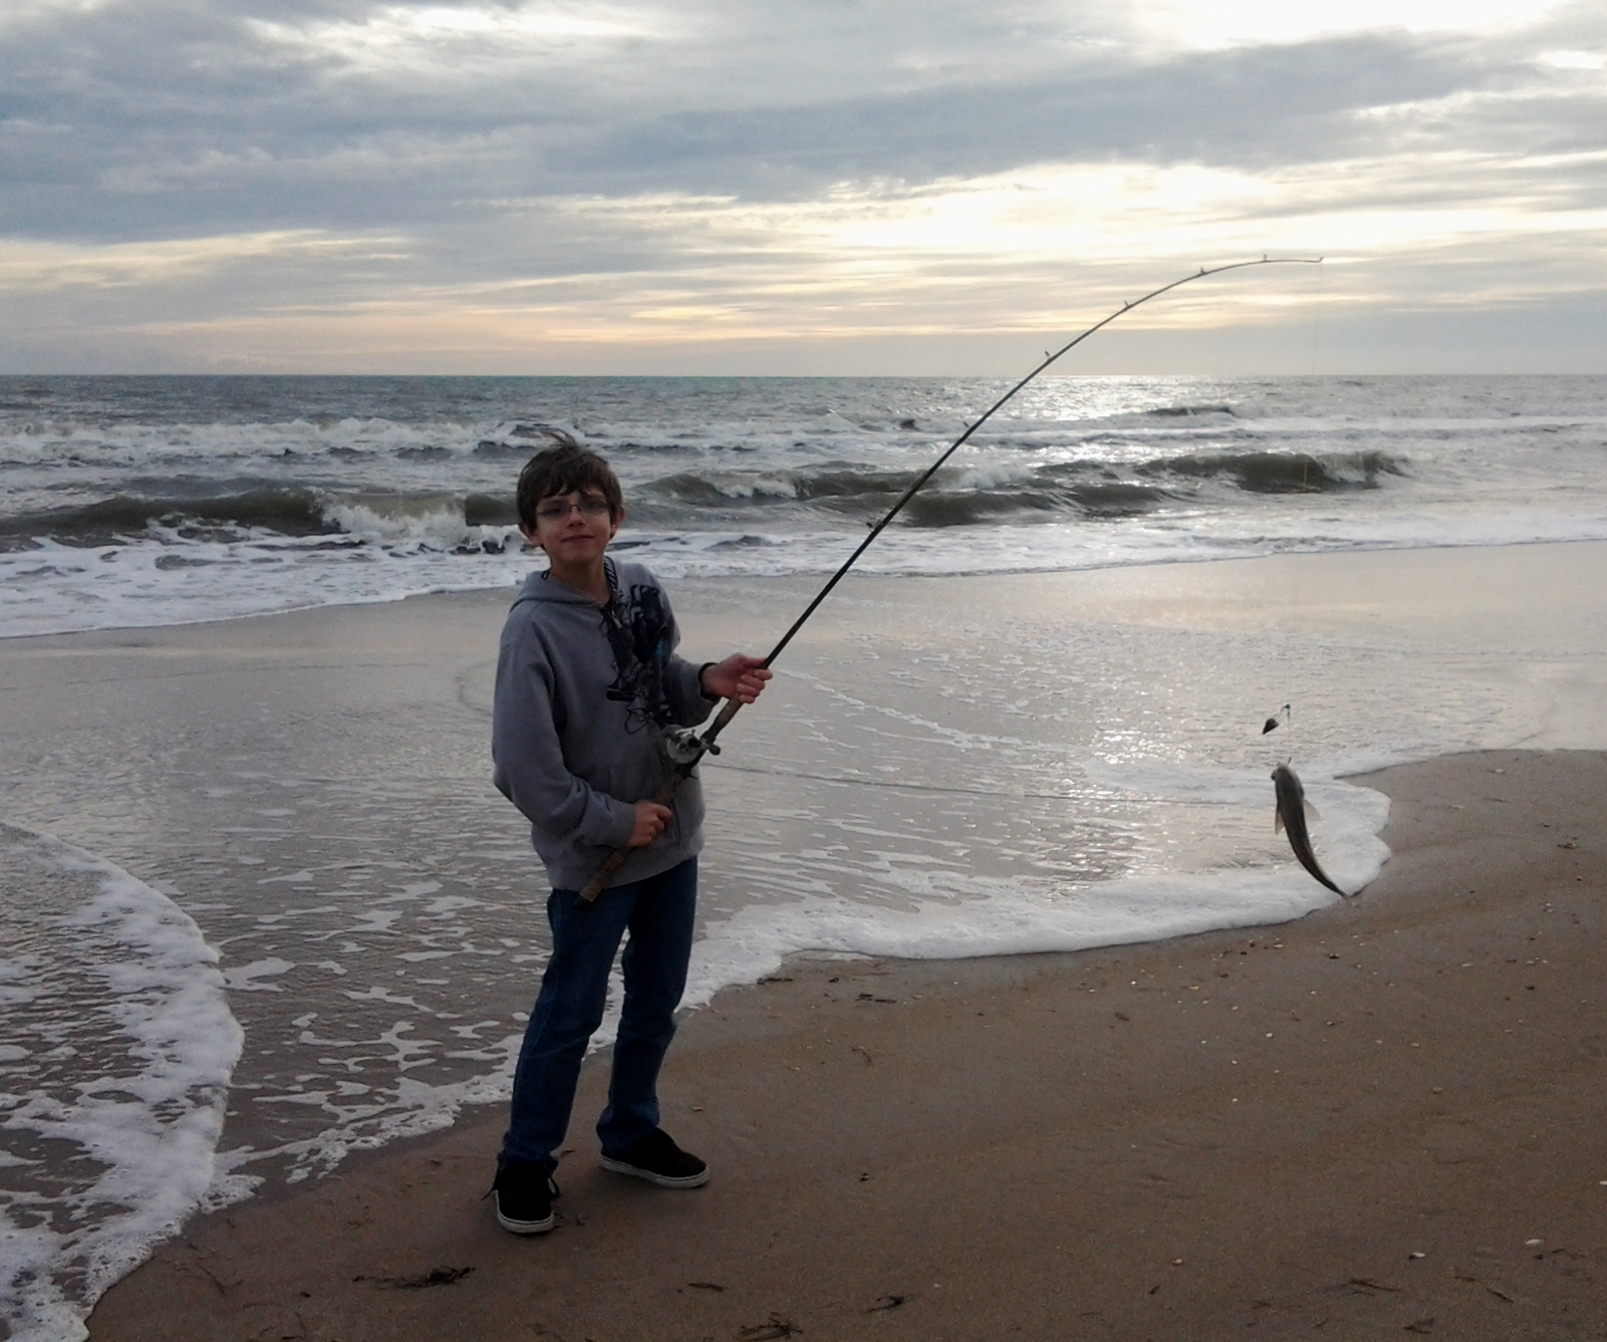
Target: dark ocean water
140,501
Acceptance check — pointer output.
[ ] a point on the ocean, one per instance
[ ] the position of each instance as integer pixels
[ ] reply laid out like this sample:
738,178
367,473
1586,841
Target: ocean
159,500
234,952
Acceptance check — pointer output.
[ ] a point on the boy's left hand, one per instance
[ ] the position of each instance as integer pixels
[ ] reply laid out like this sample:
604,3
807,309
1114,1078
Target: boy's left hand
737,677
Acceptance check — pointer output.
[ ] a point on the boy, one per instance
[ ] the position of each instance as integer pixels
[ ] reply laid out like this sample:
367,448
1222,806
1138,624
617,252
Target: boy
587,685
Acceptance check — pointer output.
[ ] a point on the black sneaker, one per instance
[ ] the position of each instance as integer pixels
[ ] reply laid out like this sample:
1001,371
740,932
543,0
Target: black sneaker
660,1161
524,1191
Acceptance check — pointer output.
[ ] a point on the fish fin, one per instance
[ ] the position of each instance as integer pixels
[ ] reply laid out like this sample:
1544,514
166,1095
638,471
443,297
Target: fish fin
1277,822
1312,813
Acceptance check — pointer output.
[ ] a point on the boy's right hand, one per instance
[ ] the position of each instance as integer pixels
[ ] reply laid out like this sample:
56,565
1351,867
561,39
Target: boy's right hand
651,818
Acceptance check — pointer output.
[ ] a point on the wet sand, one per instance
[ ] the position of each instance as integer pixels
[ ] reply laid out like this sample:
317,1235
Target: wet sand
957,1149
1384,1119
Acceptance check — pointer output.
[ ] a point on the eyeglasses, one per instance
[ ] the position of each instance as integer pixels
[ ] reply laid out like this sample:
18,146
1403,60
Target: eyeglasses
554,511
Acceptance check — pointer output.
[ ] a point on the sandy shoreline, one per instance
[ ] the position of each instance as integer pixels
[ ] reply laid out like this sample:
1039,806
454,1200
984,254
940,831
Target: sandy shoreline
1383,1117
1026,1143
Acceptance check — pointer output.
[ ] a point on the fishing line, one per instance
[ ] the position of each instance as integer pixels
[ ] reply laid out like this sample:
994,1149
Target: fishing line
897,786
1284,716
893,784
687,748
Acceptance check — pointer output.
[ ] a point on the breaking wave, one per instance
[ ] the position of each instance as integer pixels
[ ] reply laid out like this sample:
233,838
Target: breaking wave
1284,473
158,499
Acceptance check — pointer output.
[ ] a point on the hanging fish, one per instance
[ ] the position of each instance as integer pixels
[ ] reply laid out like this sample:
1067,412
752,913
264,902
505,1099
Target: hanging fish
1276,720
1291,816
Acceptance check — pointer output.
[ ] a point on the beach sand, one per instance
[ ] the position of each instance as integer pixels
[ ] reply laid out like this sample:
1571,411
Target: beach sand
1384,1116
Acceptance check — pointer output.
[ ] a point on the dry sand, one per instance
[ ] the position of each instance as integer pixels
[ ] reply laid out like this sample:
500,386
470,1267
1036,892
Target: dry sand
1382,1120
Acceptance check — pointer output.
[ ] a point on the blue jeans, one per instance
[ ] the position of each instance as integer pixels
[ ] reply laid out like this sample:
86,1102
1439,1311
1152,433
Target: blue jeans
658,914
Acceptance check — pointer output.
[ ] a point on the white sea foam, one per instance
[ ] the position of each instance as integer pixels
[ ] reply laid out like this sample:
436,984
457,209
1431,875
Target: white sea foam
62,589
953,914
125,1048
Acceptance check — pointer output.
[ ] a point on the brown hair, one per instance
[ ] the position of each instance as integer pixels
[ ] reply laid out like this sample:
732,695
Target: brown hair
565,468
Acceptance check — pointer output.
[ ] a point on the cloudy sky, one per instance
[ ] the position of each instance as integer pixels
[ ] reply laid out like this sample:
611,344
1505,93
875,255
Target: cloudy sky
831,186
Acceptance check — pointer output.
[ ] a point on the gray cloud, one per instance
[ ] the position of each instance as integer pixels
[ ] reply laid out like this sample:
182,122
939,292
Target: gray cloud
144,120
1254,107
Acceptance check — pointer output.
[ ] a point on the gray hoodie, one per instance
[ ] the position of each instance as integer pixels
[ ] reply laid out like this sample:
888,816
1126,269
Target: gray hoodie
583,693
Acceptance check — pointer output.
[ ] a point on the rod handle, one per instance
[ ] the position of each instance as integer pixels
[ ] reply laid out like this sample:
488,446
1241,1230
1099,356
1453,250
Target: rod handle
616,859
722,719
604,874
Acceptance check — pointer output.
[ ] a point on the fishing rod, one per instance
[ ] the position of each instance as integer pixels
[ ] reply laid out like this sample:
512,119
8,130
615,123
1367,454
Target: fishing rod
687,748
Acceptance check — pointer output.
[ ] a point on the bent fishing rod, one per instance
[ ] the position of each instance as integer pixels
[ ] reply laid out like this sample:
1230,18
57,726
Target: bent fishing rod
687,748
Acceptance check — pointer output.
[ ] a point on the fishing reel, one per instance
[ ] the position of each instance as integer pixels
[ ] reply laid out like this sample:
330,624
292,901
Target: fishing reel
683,747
